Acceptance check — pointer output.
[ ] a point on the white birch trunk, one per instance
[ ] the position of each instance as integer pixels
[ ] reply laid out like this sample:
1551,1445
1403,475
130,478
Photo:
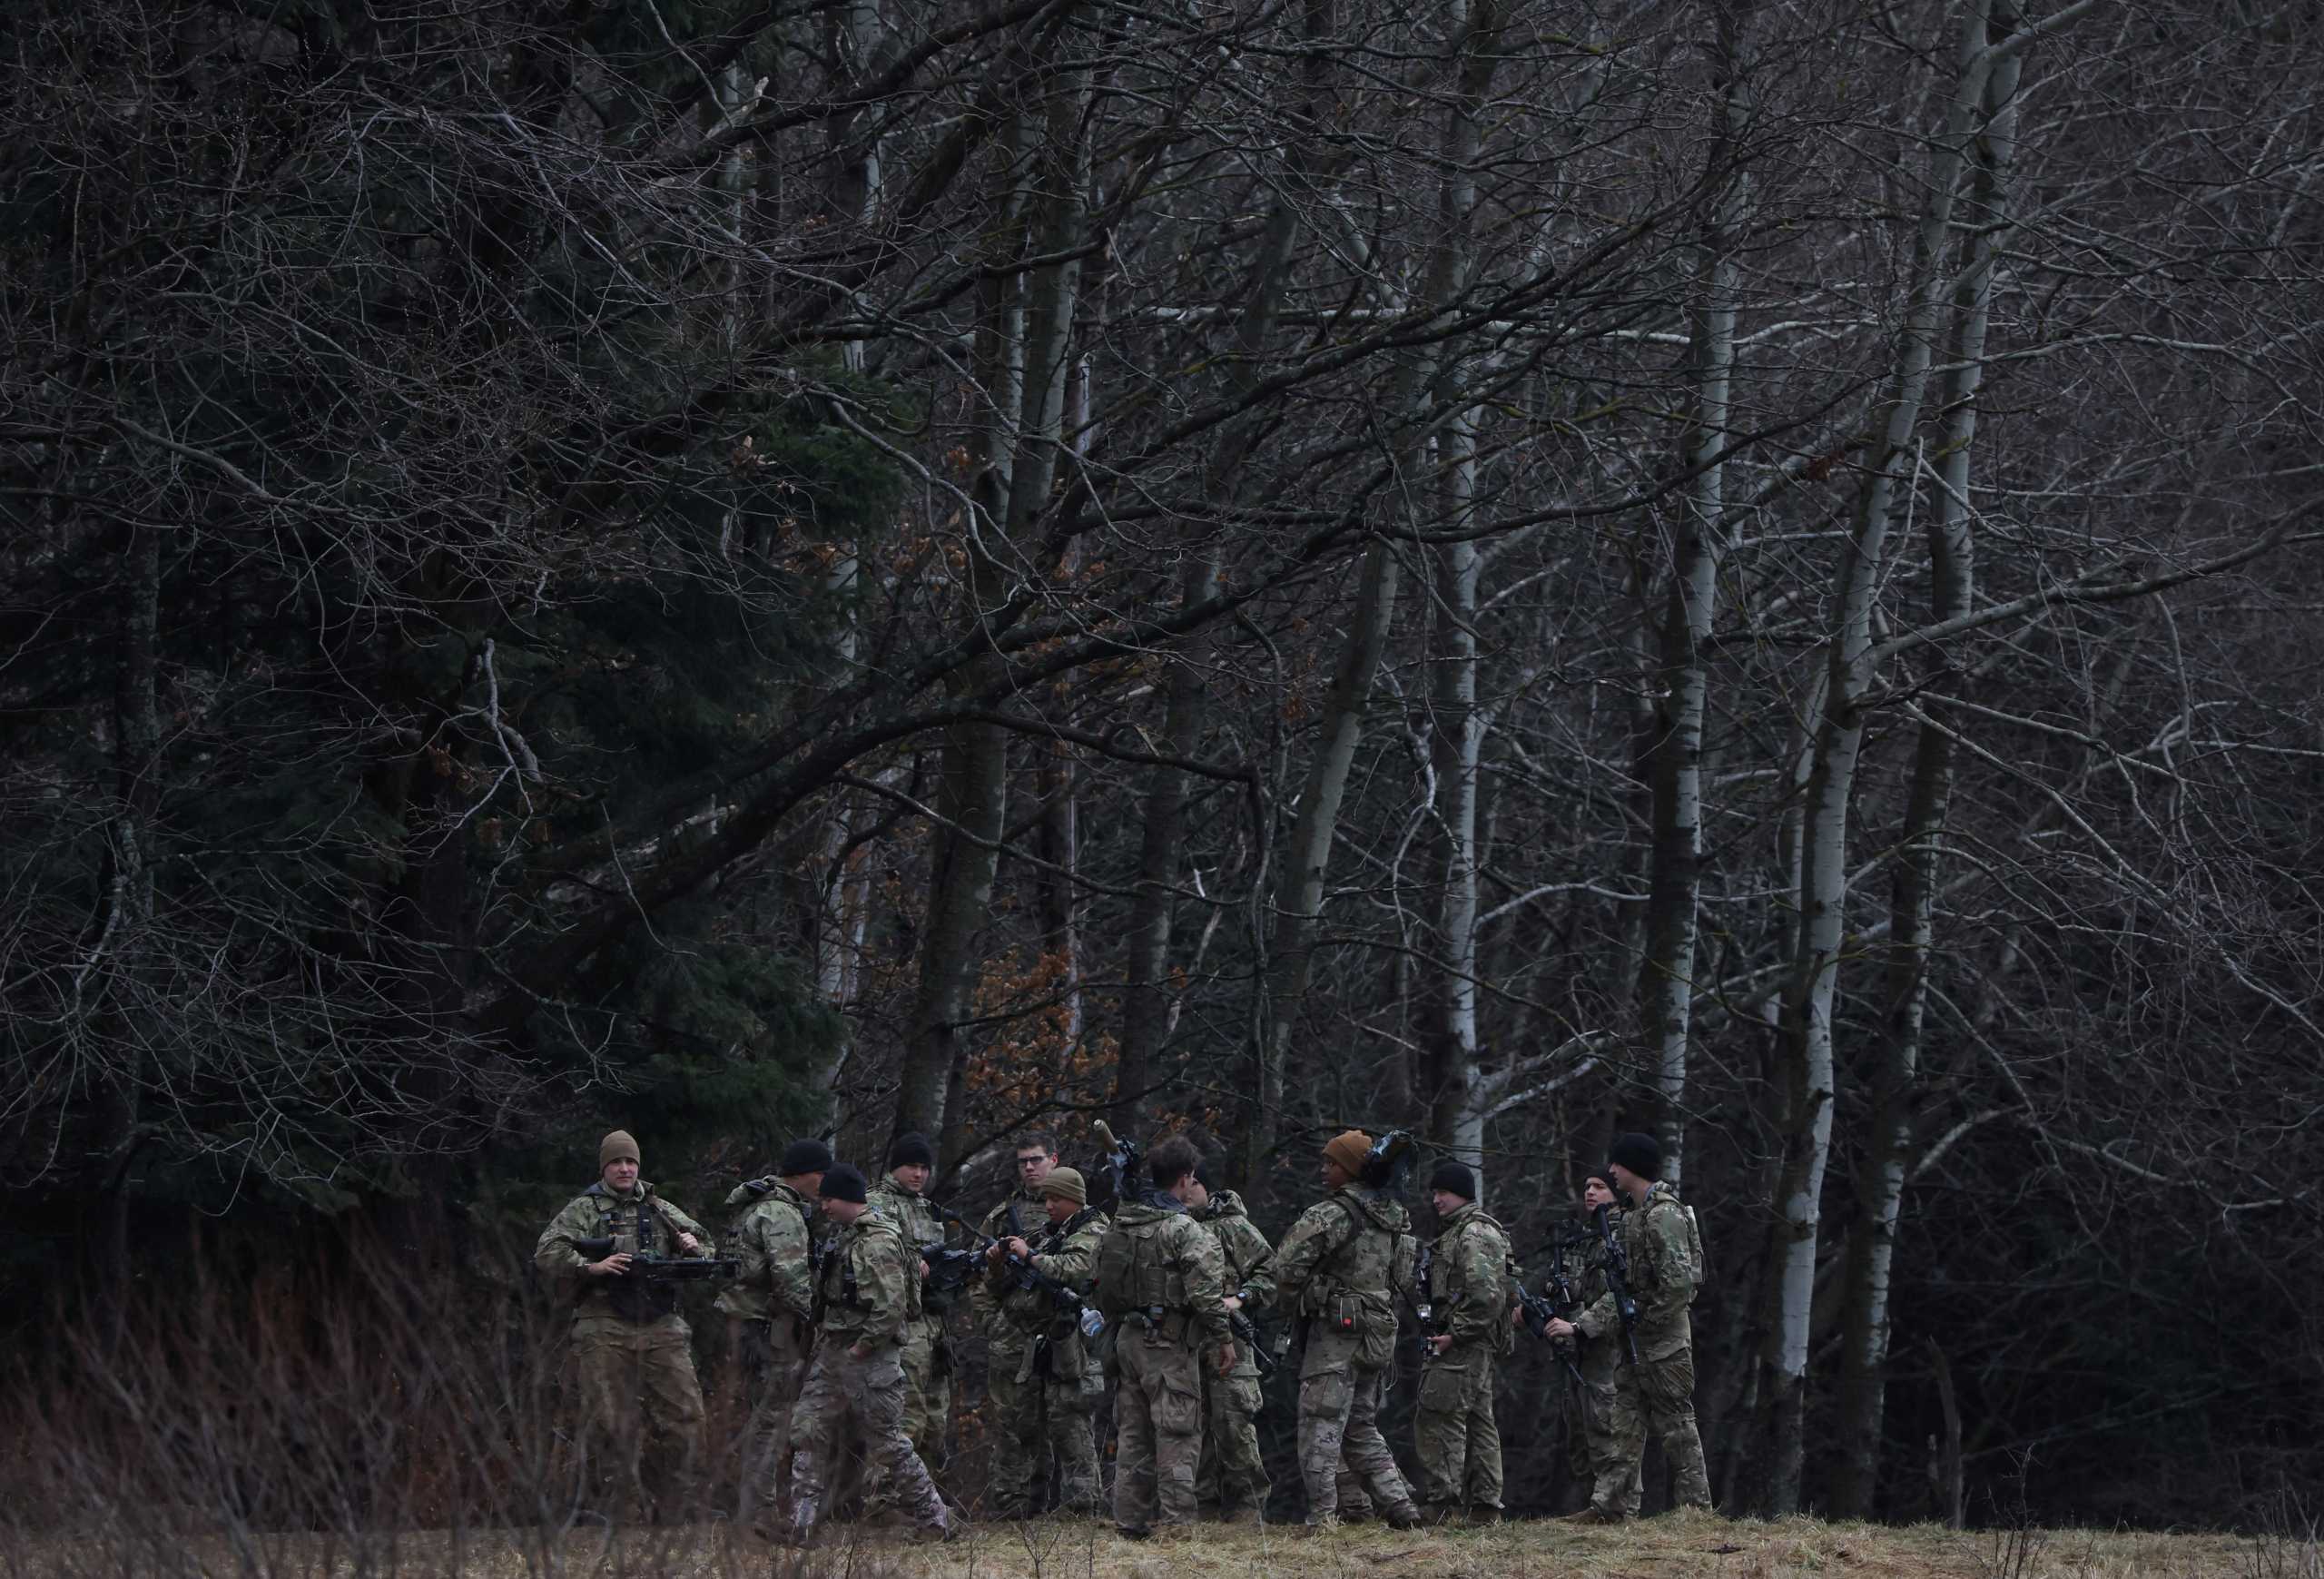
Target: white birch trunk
1865,1322
1806,1042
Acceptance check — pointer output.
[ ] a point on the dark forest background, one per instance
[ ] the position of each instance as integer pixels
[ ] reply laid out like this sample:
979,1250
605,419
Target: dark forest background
1515,570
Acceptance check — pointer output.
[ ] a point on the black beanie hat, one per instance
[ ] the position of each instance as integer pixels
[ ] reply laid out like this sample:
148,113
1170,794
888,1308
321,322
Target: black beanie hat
1637,1152
1207,1174
805,1157
911,1147
1456,1178
844,1181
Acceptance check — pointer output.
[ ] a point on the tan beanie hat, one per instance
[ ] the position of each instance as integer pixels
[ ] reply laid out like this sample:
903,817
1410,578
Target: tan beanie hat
1067,1182
1348,1149
614,1146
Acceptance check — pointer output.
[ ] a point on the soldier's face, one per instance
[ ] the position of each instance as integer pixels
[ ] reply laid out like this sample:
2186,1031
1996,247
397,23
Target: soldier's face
1033,1166
1335,1176
1059,1207
620,1175
912,1176
1199,1196
1447,1203
1628,1183
1594,1194
843,1212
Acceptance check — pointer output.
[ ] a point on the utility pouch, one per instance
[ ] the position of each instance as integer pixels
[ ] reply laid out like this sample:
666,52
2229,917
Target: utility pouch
1343,1316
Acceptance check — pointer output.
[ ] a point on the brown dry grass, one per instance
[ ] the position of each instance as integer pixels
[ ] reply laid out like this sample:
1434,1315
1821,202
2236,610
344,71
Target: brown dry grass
1664,1548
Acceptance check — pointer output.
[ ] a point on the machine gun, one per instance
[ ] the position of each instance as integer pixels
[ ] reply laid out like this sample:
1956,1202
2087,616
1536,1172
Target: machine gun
649,1268
1618,1283
1024,1275
1120,1163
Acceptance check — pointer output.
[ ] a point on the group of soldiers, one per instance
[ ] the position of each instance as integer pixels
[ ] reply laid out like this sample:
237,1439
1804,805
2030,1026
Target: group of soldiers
842,1295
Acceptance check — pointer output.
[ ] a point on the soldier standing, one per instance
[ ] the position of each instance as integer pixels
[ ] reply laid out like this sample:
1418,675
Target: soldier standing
1469,1330
1161,1282
1233,1474
926,1358
1336,1268
1051,1385
866,1294
1591,1433
1657,1393
632,1352
1015,1404
769,1309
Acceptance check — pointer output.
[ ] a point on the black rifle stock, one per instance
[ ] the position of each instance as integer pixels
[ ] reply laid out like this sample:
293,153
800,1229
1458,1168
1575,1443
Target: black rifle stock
1021,1268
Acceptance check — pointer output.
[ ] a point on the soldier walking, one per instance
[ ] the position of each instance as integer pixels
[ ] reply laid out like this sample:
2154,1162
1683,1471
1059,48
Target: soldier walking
1467,1297
1232,1474
632,1354
1045,1384
769,1309
1161,1282
926,1358
1337,1269
866,1296
1657,1393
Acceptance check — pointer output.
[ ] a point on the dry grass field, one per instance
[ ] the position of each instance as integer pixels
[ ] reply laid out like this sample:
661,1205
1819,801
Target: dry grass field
1664,1548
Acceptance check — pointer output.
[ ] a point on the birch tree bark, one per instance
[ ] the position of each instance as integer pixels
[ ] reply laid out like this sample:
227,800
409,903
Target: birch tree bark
1805,1041
1889,1148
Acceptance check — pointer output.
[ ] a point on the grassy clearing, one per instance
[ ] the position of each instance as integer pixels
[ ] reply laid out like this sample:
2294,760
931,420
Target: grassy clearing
1662,1548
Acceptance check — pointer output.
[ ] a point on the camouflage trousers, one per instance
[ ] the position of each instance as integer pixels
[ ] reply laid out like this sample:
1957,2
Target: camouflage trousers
1157,1426
1656,1396
629,1374
1453,1425
846,1400
1339,1415
1232,1472
928,1402
773,1368
1035,1412
1589,1436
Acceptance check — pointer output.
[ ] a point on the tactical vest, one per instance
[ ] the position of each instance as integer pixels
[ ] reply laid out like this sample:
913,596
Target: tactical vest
633,1298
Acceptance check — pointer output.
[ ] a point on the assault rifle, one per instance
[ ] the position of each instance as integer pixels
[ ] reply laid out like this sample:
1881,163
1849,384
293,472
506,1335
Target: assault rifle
949,1267
1618,1283
1560,1301
647,1266
1024,1275
1247,1333
1425,1306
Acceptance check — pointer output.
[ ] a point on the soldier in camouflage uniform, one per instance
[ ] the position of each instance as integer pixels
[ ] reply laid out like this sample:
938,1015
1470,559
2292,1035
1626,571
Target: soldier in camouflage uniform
631,1353
1467,1298
867,1292
1591,1434
1016,1408
1340,1269
1232,1474
1658,1393
1161,1282
1043,1379
926,1358
769,1311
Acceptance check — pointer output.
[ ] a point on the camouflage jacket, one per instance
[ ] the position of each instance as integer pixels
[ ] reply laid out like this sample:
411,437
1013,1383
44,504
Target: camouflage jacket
774,1239
597,1213
1469,1277
1598,1360
1351,1242
984,1293
1250,1263
1067,1251
1658,1238
918,1222
869,1288
1157,1259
